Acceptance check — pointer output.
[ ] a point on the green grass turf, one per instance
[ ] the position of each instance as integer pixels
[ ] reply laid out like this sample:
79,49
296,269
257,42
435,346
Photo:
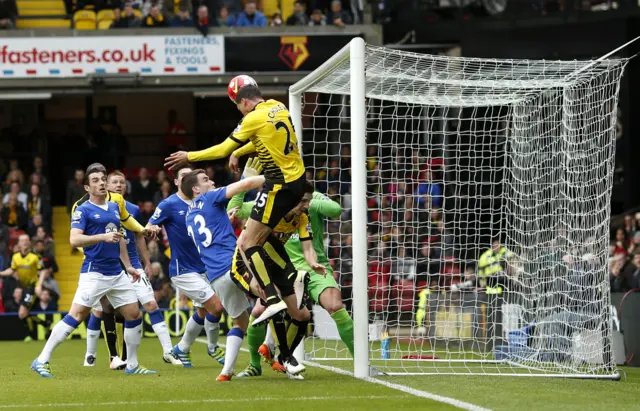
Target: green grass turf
75,386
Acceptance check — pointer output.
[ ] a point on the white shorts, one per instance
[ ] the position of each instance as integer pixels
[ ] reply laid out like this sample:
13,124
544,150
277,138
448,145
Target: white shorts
233,299
93,286
195,286
143,288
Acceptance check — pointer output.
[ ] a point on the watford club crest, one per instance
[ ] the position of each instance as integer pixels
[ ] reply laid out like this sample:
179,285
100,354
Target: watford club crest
293,51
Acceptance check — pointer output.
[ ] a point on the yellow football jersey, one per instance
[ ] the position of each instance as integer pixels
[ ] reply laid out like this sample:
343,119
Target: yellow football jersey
297,225
269,129
28,268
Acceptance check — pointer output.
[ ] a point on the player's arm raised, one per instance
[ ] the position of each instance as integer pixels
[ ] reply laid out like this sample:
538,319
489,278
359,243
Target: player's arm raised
324,206
244,185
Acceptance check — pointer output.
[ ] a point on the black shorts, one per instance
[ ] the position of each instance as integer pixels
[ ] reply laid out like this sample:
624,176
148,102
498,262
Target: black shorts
275,200
28,297
242,277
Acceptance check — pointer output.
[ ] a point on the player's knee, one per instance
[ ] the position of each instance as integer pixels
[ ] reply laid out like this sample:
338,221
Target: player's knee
214,306
151,306
333,306
97,313
202,312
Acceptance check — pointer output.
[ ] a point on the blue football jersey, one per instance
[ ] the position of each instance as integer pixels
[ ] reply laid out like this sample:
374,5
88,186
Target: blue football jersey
92,219
171,213
211,230
130,236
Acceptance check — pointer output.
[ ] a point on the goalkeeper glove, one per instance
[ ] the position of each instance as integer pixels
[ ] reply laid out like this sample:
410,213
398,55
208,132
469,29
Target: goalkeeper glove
252,168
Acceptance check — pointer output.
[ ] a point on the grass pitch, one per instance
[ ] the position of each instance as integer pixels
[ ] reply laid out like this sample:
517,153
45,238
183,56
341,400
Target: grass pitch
75,386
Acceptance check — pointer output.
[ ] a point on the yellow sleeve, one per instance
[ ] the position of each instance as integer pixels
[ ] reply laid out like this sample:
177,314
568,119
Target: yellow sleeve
14,263
126,219
303,230
244,150
221,150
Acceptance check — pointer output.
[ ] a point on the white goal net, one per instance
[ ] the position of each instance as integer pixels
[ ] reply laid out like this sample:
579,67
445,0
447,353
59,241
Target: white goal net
487,210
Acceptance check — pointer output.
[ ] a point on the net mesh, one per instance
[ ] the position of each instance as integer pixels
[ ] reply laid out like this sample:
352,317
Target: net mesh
488,190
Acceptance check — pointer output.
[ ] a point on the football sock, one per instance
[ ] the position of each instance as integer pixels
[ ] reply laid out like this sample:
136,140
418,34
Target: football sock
109,323
132,337
234,341
296,332
59,333
345,327
93,333
280,331
120,336
255,337
192,331
268,339
162,331
257,256
212,328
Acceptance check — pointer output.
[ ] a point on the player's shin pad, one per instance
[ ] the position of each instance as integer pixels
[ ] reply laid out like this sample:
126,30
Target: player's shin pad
296,332
280,332
257,257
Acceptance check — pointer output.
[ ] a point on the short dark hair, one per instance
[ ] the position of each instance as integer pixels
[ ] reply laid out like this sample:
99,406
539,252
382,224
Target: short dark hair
94,168
495,238
249,92
189,181
39,241
176,170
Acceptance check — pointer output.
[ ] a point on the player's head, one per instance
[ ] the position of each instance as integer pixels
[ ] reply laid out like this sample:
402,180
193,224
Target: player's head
24,243
248,97
303,205
179,174
195,183
237,83
495,244
95,180
116,182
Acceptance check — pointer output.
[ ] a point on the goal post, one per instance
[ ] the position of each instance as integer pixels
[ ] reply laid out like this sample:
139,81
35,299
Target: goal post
437,160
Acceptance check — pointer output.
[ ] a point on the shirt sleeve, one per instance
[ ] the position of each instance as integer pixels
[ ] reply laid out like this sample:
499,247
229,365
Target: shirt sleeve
324,206
161,214
79,220
127,220
14,263
305,228
219,195
39,264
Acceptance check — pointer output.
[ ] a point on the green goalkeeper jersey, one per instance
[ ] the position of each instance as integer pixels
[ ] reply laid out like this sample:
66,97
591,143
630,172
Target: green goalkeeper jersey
321,207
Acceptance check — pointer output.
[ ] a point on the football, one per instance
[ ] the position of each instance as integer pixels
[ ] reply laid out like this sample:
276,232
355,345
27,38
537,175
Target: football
237,83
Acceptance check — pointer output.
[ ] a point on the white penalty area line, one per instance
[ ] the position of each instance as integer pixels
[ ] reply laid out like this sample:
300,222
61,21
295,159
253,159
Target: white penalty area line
200,401
418,393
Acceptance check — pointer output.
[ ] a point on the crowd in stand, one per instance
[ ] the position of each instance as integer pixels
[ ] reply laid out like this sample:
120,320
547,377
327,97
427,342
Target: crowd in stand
624,255
26,209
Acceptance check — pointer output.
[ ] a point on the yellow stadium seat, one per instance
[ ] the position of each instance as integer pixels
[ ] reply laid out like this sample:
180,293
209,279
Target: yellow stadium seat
105,24
42,23
105,15
84,20
270,7
287,9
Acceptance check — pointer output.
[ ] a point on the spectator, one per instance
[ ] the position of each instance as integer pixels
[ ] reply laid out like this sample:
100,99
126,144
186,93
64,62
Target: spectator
337,16
276,20
149,4
20,195
161,176
45,302
629,225
317,18
204,22
39,205
622,242
299,16
14,214
142,189
36,179
146,211
164,295
4,241
162,193
175,138
155,18
13,305
251,17
38,170
182,18
49,245
126,19
49,262
35,222
75,189
8,14
14,173
429,193
156,255
224,19
157,276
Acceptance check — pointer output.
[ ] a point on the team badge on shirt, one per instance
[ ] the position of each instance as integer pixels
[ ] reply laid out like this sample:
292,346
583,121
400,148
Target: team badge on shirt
77,215
156,213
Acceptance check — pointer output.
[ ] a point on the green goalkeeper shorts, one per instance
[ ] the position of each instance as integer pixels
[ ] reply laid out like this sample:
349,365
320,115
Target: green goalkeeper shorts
318,283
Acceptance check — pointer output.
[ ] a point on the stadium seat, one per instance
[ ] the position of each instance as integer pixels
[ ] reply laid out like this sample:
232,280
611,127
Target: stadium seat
270,7
137,13
287,9
105,18
84,20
